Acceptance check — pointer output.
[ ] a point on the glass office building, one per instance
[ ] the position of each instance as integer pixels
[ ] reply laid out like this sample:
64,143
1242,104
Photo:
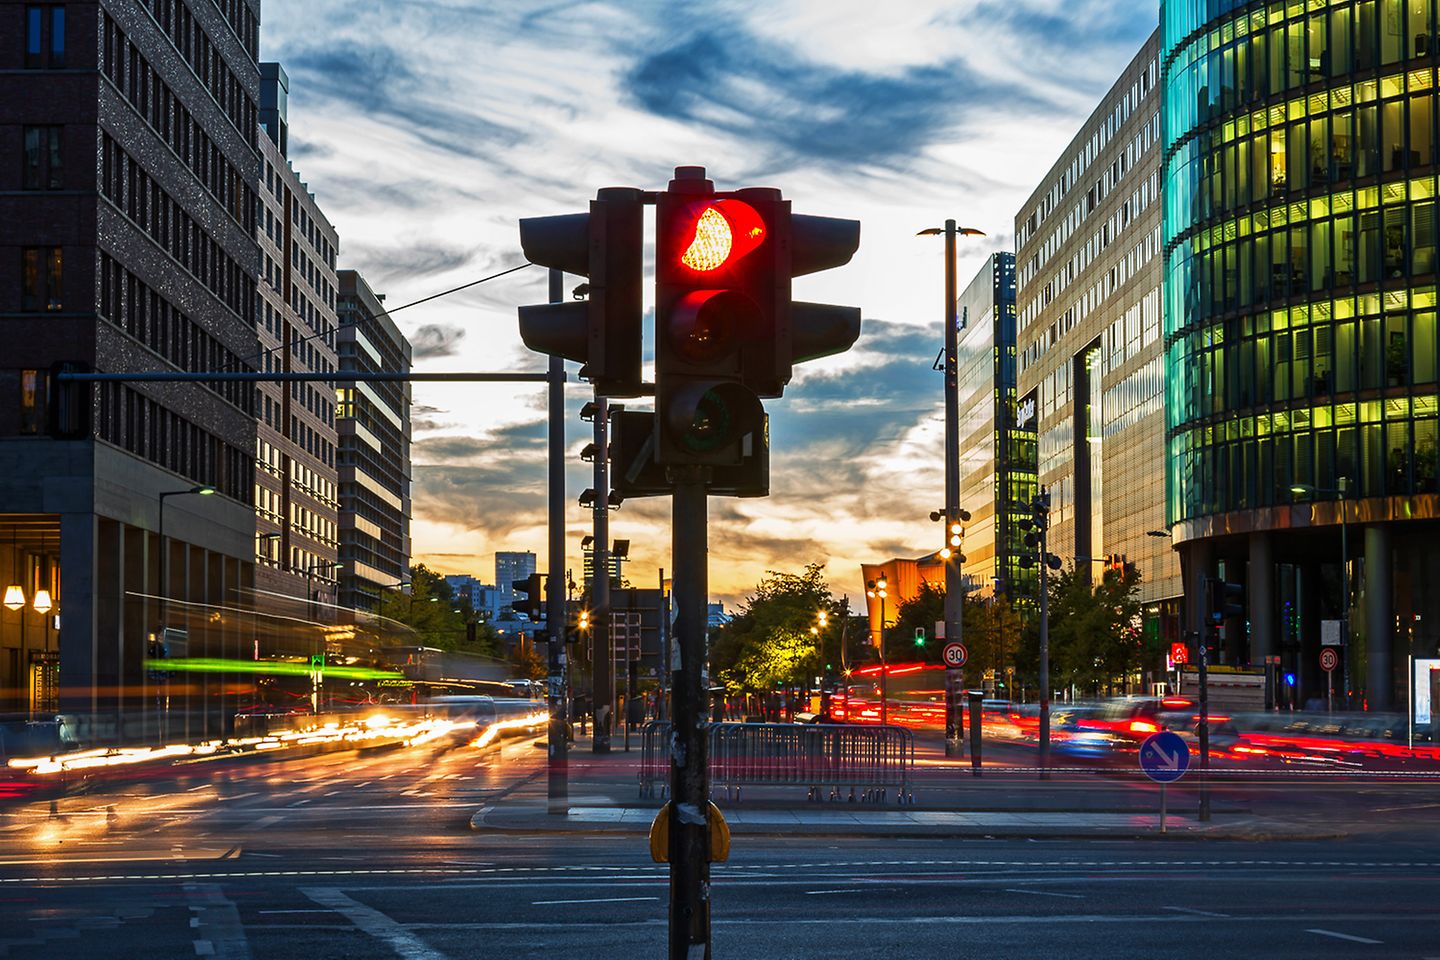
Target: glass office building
1299,298
997,448
1090,351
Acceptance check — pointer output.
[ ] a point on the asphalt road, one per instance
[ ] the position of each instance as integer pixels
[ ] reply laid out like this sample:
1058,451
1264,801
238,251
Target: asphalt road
370,855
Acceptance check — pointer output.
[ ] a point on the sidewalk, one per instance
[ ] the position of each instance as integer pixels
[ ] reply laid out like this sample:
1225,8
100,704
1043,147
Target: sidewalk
603,799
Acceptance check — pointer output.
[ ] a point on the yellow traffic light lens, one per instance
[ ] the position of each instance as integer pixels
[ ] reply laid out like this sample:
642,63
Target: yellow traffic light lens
945,553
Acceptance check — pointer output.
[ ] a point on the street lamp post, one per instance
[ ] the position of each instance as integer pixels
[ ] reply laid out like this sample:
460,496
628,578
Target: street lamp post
876,588
317,667
202,490
1340,490
954,591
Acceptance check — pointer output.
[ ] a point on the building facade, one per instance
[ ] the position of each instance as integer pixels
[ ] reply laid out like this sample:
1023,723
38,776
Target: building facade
1091,354
127,243
296,486
997,449
374,461
1300,320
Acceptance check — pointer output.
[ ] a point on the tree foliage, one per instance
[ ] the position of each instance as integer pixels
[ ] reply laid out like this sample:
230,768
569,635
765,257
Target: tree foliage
433,616
1095,631
770,643
990,627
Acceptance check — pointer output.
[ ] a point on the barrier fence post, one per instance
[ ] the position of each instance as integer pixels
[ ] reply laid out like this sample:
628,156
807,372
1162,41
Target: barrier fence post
976,703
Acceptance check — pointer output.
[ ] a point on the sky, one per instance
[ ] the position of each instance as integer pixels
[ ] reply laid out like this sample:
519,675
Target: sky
427,129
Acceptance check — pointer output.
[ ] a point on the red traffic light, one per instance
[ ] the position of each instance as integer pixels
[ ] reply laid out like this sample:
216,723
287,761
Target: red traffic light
1179,653
713,234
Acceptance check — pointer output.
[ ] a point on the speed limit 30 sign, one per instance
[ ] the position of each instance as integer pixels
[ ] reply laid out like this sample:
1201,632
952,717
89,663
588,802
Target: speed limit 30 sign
1329,660
955,655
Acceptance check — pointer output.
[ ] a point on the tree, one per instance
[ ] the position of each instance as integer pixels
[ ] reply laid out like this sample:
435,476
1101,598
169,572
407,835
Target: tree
770,642
430,611
1095,630
990,629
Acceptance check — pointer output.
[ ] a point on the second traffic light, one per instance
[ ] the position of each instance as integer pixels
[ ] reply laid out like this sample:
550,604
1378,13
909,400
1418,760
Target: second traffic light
533,604
602,332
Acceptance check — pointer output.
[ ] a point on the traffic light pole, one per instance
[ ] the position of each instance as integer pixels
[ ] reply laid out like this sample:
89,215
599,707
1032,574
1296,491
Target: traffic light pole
1204,731
603,665
954,591
559,731
689,765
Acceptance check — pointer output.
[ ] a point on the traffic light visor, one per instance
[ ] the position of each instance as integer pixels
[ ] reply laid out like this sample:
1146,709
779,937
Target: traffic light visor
715,234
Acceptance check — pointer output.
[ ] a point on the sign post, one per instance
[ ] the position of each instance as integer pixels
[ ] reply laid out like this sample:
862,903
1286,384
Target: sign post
1164,758
1329,660
954,656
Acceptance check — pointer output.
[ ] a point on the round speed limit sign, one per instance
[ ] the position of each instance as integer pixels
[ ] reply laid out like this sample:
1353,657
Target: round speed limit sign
956,655
1329,660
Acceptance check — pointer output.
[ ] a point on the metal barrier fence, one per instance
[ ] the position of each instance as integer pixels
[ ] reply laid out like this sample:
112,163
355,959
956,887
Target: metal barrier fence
825,758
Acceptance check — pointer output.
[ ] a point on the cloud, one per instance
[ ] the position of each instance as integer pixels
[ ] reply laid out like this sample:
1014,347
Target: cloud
435,340
766,96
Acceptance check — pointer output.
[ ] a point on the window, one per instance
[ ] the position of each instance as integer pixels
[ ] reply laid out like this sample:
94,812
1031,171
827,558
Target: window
44,169
32,401
42,276
44,36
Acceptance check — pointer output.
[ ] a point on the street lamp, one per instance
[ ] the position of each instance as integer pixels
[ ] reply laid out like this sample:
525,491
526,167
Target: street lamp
954,586
876,588
201,490
1340,490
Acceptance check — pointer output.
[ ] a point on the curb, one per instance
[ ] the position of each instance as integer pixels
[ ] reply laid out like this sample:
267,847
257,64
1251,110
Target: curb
540,822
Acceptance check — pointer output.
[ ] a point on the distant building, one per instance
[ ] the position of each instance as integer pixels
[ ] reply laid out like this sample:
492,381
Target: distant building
997,436
484,598
715,615
373,420
296,493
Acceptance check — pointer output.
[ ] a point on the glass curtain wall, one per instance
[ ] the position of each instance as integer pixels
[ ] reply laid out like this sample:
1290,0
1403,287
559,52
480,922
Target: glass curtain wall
1300,249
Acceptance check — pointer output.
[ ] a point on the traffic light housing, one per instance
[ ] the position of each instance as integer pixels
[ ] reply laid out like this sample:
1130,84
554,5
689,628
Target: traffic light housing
634,471
603,332
1226,600
726,330
711,273
533,604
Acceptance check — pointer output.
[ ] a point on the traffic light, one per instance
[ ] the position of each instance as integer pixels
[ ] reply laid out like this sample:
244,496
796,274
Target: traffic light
1037,537
1226,600
635,473
726,331
919,636
533,604
603,332
708,272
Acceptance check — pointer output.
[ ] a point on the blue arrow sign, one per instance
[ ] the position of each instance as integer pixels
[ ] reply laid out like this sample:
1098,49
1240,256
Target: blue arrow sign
1164,757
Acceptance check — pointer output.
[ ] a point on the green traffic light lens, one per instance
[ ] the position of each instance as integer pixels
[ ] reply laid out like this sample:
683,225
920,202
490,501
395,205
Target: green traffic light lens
711,426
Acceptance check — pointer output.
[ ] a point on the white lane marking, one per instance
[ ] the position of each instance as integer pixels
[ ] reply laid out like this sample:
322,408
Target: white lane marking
1047,893
548,903
373,922
1197,913
217,918
1343,936
316,910
824,893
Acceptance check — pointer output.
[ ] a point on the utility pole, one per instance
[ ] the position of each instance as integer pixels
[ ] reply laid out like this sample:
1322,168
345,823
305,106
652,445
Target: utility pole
603,666
689,763
559,730
662,709
954,592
